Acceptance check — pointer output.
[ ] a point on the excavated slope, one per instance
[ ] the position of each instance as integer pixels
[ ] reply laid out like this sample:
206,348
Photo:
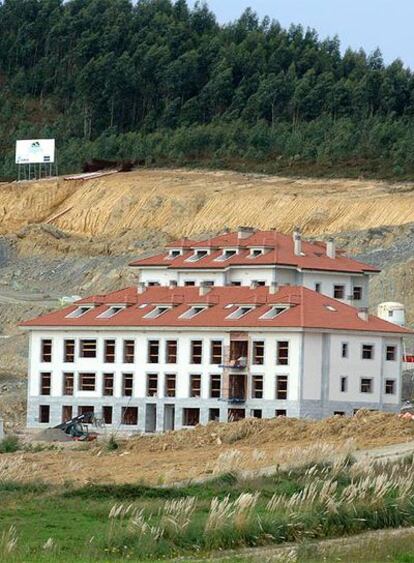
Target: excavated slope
181,202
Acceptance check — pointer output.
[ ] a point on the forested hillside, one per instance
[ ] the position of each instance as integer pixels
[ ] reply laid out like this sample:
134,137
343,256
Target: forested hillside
159,82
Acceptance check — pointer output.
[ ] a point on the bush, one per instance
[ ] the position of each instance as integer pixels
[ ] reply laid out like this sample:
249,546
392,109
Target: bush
10,444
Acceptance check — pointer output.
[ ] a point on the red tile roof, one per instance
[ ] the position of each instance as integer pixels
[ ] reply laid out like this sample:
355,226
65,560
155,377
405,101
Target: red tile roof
308,309
279,249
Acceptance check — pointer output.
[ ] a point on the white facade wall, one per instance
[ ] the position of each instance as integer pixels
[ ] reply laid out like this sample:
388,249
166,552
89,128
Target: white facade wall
279,274
314,370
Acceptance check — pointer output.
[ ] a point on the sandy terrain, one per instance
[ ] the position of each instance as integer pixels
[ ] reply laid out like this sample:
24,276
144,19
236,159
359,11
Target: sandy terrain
182,202
217,448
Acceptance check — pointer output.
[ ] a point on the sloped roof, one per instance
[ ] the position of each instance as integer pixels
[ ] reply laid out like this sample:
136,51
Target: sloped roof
307,309
278,250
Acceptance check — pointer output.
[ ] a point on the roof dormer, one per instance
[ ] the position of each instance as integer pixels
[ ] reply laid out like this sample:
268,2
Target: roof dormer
227,254
198,254
111,311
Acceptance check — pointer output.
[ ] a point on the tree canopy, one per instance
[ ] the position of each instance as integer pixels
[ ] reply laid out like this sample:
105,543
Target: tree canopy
158,81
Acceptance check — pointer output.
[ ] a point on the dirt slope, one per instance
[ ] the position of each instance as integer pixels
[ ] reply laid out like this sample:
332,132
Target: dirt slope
181,202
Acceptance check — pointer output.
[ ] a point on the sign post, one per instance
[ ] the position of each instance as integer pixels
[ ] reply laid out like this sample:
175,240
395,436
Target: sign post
32,152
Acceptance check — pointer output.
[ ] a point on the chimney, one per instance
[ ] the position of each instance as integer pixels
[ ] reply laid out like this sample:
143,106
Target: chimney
172,284
274,287
244,232
254,284
331,248
363,313
204,289
141,287
297,241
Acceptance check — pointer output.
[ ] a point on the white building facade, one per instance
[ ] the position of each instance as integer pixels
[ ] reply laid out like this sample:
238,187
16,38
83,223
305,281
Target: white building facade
167,356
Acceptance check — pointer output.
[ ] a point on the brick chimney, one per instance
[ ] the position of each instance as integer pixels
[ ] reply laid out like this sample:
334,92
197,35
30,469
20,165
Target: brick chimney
363,313
244,232
297,241
331,248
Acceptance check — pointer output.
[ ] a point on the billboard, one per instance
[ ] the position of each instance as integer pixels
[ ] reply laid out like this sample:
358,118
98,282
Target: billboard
35,151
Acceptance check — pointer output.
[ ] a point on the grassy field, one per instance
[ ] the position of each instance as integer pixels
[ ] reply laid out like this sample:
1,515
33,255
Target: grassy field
42,522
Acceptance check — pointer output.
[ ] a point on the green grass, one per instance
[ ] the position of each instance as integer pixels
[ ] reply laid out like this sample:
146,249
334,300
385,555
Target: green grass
77,518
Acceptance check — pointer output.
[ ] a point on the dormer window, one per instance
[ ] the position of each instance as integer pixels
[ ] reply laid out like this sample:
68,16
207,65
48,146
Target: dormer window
174,253
240,312
273,312
80,311
227,254
157,312
198,255
256,252
111,312
193,312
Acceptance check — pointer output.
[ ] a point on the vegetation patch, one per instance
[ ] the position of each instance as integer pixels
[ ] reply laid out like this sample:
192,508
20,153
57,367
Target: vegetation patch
104,522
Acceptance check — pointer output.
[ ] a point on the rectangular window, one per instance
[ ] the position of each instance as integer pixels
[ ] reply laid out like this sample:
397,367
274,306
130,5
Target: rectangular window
282,358
257,387
317,287
367,352
189,283
66,413
215,386
391,354
153,351
258,353
86,409
69,351
171,352
107,414
191,417
152,384
109,351
235,283
344,384
280,412
46,351
170,385
256,413
129,351
196,352
129,416
68,384
281,387
339,413
339,291
45,383
127,384
44,413
216,352
108,384
366,385
214,415
390,386
357,293
87,382
87,349
345,349
195,385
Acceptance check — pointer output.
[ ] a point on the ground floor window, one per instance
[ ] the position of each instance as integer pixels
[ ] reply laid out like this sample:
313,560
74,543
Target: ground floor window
44,413
233,415
366,385
85,409
339,413
390,386
214,414
256,413
280,412
66,412
191,417
107,414
129,415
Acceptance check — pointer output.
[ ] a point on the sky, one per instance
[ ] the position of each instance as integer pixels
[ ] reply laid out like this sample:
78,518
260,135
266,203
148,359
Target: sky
387,24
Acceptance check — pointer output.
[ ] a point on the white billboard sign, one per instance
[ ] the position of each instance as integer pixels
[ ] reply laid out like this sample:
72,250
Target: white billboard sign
35,151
